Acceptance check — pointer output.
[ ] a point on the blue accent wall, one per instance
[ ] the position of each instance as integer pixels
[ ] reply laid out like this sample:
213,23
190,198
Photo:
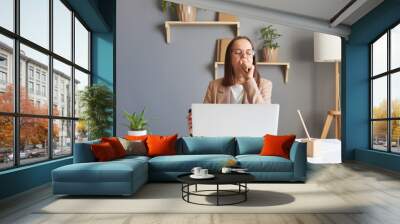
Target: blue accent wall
99,15
103,58
24,178
355,85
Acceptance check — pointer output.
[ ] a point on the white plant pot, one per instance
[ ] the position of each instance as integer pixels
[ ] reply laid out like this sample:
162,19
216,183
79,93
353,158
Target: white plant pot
137,133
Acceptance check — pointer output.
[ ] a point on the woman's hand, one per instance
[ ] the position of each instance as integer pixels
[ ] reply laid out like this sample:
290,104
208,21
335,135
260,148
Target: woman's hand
248,69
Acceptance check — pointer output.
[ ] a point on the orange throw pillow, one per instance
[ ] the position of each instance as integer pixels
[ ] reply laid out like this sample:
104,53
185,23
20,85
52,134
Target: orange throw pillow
277,145
161,145
116,145
103,152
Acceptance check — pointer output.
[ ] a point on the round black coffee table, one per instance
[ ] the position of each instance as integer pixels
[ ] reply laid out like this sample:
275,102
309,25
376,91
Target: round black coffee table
238,179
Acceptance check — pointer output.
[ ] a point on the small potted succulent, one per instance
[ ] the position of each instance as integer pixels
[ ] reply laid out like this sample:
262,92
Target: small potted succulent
137,123
269,35
186,13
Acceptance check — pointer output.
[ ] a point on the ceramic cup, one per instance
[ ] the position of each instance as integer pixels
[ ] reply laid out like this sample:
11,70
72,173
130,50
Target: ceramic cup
196,171
226,170
203,172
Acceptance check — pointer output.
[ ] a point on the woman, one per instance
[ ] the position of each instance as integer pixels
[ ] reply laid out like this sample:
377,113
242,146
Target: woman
241,83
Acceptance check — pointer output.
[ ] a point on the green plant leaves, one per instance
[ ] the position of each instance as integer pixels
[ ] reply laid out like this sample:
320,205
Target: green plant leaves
136,121
97,104
269,36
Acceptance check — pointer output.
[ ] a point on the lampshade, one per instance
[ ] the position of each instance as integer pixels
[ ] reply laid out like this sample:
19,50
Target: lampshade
327,48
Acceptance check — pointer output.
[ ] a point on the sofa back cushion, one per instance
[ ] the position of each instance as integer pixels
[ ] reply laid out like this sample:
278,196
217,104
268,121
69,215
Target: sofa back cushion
83,152
249,145
207,145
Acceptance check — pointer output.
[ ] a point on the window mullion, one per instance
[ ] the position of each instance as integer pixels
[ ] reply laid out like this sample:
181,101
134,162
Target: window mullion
50,81
16,84
73,82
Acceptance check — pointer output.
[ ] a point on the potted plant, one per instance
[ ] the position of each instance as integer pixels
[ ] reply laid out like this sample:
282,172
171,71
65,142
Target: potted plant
270,46
137,123
96,102
186,13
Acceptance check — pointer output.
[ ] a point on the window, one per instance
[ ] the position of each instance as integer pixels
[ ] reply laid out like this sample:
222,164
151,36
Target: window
6,142
30,87
81,81
37,75
6,73
30,72
3,61
61,74
44,91
62,29
81,45
44,131
35,21
385,94
3,78
7,14
37,89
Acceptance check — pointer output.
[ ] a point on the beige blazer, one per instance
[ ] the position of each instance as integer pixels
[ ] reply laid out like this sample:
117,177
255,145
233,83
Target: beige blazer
217,93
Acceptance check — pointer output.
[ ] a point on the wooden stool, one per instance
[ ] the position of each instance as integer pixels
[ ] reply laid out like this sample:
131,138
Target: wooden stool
332,114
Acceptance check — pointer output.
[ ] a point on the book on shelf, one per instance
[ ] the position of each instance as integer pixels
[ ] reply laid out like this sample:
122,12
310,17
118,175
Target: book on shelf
225,17
222,44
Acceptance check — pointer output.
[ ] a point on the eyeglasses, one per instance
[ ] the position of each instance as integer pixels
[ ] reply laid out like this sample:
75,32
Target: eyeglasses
249,52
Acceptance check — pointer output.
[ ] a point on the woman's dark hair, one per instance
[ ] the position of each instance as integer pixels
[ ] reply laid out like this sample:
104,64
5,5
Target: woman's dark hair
229,76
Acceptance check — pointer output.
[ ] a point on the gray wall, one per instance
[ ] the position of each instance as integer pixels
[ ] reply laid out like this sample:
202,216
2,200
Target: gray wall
168,78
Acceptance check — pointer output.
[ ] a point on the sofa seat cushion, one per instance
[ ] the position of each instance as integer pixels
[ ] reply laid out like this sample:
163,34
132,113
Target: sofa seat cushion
111,171
185,163
257,163
133,158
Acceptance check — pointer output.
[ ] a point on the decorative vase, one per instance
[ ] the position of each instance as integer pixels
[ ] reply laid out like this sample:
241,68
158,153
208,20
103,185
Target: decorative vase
137,133
270,54
186,13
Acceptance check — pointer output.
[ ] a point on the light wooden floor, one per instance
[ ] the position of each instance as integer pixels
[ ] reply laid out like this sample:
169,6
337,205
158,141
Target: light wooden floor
378,188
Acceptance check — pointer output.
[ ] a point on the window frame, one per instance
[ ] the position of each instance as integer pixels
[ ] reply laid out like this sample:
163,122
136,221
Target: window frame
388,74
16,114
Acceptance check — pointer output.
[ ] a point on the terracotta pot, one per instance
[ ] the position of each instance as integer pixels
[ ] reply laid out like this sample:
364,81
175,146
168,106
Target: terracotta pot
186,13
270,54
137,133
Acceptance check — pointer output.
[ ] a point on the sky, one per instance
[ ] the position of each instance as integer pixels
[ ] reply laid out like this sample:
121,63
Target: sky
34,26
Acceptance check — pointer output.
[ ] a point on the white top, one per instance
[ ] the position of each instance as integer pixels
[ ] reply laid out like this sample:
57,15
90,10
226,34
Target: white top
237,94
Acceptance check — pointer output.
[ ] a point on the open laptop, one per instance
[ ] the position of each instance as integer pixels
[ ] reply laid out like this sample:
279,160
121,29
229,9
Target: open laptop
253,120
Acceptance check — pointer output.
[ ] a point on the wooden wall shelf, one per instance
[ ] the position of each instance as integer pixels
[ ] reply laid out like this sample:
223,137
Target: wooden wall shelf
284,66
168,25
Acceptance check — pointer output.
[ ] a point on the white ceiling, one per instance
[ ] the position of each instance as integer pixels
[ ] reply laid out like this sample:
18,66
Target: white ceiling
313,15
320,9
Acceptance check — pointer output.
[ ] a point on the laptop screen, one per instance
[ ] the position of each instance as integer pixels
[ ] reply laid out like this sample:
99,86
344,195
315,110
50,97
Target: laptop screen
253,120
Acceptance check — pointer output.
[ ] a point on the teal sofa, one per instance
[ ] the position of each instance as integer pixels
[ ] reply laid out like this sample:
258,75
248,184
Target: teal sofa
125,176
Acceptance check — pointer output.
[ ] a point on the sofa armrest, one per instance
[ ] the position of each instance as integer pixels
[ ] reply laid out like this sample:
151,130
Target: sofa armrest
298,155
83,152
